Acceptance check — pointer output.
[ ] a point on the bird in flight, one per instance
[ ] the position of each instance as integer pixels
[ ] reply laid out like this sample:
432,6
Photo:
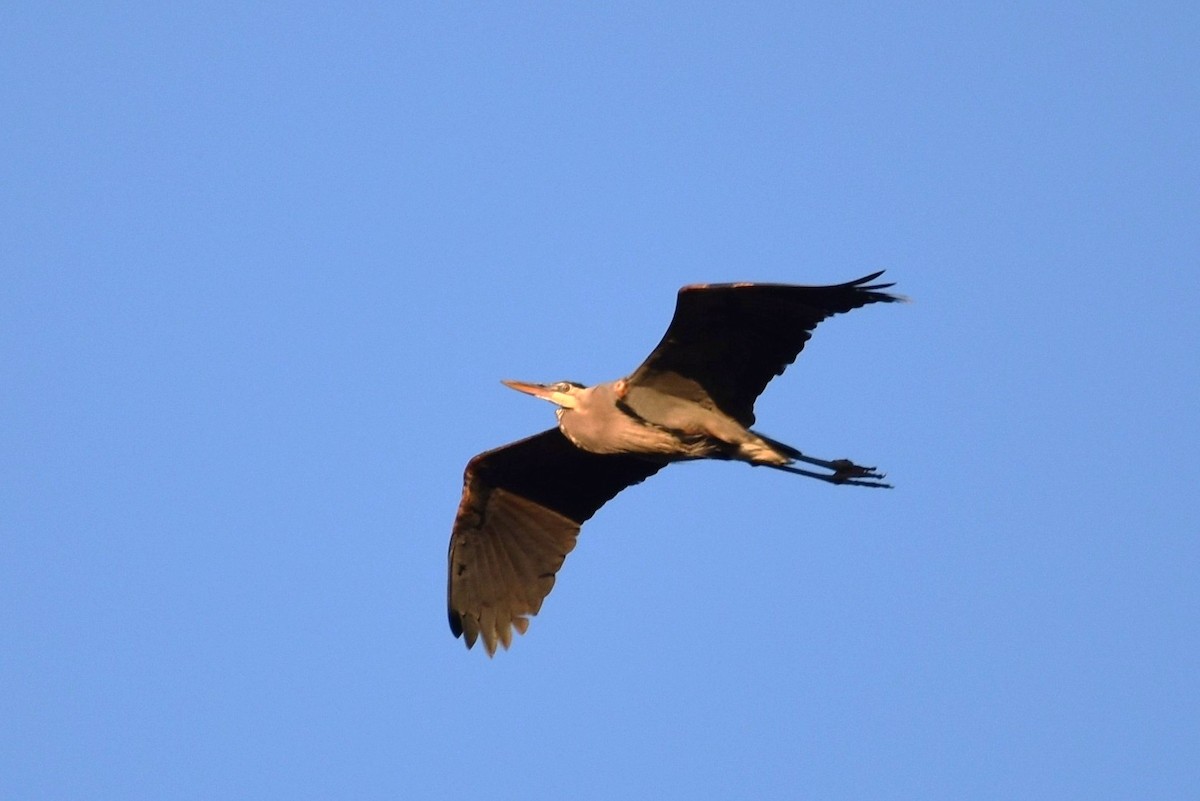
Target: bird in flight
692,398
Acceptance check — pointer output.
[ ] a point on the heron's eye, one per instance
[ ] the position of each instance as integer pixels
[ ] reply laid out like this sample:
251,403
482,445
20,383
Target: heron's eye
562,386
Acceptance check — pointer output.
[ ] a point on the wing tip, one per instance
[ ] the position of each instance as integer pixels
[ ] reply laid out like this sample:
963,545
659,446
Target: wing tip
859,284
499,634
876,290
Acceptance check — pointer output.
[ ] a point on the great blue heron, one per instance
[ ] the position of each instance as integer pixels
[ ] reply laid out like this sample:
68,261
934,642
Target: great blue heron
693,398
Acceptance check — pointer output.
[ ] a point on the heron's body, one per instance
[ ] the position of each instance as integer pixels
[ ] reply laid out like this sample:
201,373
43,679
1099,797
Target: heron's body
663,427
692,398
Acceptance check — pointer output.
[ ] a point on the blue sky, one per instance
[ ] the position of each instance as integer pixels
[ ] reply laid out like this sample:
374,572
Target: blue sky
263,268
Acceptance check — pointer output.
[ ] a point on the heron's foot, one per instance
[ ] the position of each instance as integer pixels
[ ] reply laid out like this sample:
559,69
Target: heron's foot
844,471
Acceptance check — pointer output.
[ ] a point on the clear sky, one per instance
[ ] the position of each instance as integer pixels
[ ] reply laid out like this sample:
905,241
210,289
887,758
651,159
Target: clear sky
264,266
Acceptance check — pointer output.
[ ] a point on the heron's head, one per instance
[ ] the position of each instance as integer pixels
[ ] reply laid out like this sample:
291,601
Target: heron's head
564,394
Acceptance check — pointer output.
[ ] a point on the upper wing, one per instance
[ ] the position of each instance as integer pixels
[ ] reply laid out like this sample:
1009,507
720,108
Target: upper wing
727,341
521,510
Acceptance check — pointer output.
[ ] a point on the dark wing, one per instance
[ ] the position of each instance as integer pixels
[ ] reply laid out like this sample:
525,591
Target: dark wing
727,341
521,510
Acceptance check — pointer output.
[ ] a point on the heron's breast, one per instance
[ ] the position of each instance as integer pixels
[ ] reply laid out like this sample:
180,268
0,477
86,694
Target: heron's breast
617,433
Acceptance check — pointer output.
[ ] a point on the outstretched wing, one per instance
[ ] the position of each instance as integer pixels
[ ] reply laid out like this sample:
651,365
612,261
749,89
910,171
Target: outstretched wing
521,510
727,341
